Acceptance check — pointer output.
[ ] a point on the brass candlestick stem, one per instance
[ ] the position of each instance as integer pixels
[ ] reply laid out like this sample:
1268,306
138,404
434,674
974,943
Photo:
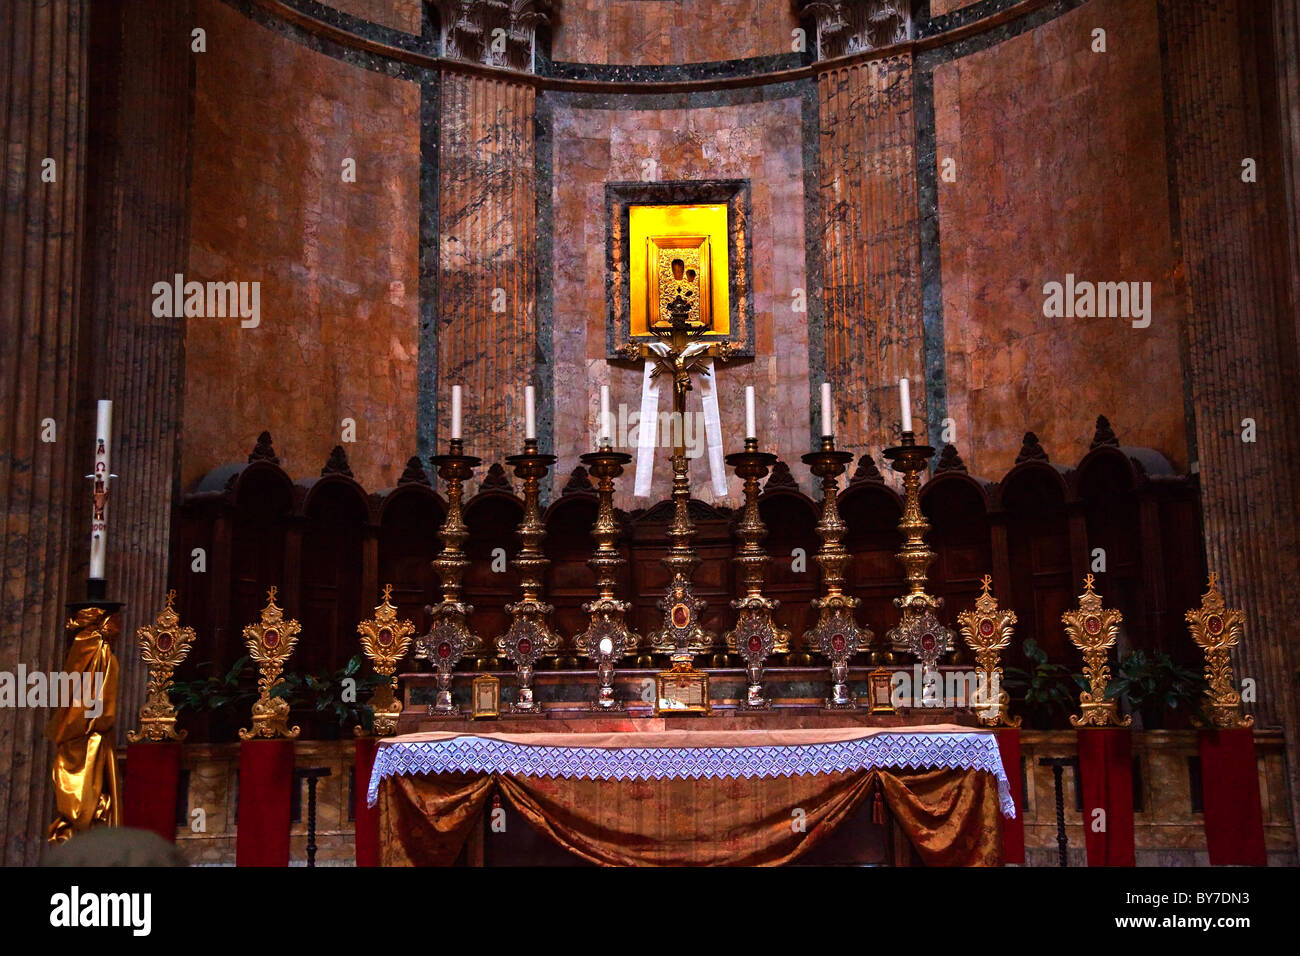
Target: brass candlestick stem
449,636
918,630
834,607
530,635
607,632
756,636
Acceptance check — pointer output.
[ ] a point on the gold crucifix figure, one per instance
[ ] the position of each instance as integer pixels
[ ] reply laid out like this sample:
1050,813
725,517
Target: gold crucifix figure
678,352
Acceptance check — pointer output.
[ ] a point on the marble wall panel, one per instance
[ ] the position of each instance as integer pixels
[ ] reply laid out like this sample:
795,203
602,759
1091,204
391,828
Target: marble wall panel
337,261
1058,167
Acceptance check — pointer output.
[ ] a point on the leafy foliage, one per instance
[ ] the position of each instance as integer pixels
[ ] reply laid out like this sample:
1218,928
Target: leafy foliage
335,695
1153,685
1047,693
236,689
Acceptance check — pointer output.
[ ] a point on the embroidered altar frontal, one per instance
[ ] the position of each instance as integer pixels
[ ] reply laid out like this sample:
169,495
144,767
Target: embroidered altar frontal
736,797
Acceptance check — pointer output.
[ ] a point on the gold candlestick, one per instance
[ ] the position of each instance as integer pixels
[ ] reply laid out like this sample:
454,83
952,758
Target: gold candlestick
385,640
834,607
451,614
756,636
1094,629
164,644
987,630
1216,628
918,630
530,635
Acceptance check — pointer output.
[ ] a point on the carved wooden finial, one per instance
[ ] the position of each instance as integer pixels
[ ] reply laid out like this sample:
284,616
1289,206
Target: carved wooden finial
263,450
337,463
866,470
495,479
780,478
949,460
1104,435
414,473
1031,450
579,483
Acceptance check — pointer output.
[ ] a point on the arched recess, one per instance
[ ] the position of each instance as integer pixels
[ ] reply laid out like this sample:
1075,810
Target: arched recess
492,517
1107,486
790,516
262,499
409,518
956,505
871,511
569,545
1031,507
335,513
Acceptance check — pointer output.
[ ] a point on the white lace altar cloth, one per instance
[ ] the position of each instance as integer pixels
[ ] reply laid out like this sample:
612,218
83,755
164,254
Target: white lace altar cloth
910,749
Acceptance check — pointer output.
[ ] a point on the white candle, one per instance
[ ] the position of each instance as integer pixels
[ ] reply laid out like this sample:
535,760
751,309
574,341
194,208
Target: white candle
606,423
905,403
530,413
101,474
751,429
455,411
828,412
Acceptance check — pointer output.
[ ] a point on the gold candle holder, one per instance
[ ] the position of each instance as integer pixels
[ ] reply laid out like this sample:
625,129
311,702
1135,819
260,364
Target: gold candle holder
918,629
385,640
608,614
987,629
530,635
1217,629
164,644
1093,629
270,642
834,607
450,616
756,636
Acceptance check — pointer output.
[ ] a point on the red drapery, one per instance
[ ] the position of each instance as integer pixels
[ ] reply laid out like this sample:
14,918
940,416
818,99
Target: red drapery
265,791
1013,830
153,772
1106,779
366,816
1234,821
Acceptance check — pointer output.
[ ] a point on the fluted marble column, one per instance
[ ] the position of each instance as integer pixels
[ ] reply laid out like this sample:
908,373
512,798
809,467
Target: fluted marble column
42,98
1240,351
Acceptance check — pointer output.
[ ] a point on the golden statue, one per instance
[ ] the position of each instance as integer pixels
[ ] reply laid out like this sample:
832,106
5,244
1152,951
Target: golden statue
85,768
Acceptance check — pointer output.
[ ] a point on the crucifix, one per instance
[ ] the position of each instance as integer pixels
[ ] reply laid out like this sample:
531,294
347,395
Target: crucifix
678,352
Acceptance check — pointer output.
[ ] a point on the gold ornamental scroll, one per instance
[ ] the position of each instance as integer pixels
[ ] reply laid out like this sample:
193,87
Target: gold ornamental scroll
164,645
1094,629
1216,629
385,639
85,769
270,642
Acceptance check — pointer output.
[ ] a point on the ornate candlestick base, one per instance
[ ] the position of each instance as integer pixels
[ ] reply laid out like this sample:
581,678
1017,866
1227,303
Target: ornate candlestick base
444,645
529,636
834,607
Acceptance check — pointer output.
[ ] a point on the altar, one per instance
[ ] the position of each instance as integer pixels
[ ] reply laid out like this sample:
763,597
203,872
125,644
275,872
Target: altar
683,791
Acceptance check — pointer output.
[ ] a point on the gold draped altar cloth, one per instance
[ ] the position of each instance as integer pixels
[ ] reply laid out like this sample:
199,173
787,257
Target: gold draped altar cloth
85,767
950,815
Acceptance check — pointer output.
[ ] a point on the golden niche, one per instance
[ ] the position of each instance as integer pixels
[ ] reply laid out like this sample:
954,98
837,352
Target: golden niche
679,264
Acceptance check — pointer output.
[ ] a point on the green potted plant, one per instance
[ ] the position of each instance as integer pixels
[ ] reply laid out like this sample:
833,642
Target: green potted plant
1154,687
223,701
331,703
1045,693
